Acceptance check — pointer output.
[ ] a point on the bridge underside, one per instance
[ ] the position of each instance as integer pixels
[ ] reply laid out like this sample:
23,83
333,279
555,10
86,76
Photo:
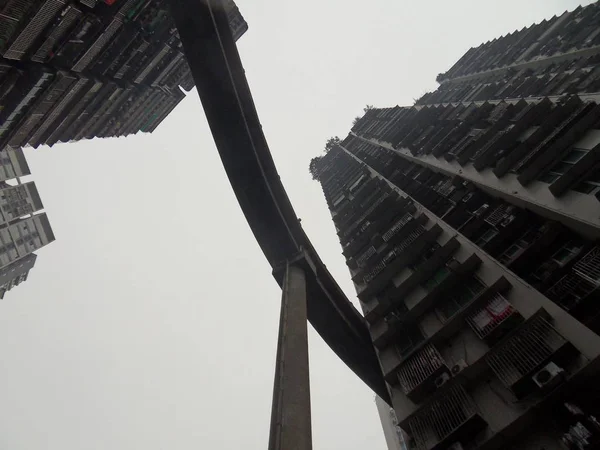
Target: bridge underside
223,89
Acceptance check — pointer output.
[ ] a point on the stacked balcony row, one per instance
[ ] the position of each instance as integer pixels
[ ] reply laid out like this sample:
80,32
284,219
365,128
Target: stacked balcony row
555,143
42,106
574,76
62,56
572,33
125,41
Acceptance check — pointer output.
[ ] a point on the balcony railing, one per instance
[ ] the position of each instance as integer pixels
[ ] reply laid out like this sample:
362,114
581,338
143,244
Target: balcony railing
439,424
374,272
498,214
487,318
98,45
365,214
420,369
394,253
396,227
533,345
362,259
588,267
570,290
413,235
34,28
446,188
68,19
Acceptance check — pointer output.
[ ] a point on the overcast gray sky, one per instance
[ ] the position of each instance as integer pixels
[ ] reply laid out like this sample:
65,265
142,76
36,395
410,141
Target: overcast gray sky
151,322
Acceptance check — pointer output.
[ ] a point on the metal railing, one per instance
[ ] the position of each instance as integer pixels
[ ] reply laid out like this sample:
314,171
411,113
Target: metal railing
365,256
152,64
395,252
527,349
412,236
440,419
570,290
489,316
60,107
98,45
419,368
34,28
396,227
588,267
374,272
446,188
498,214
69,17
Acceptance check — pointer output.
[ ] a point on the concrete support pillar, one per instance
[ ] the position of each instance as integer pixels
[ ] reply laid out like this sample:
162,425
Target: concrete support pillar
290,414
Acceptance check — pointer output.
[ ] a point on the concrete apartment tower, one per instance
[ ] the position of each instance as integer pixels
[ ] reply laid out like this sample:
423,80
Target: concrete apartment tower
23,229
79,69
470,225
90,68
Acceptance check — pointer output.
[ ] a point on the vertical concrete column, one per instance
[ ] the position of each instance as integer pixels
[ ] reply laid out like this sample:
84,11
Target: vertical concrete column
290,414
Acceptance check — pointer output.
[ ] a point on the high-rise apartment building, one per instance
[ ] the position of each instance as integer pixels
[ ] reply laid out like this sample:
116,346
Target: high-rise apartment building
470,225
23,229
75,69
81,69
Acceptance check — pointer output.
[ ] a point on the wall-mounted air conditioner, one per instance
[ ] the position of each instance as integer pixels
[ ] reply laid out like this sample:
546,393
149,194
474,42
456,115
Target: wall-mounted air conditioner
549,376
457,368
442,380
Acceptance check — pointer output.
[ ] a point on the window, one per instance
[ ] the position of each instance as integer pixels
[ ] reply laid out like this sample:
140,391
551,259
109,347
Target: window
560,168
486,237
567,252
515,250
511,253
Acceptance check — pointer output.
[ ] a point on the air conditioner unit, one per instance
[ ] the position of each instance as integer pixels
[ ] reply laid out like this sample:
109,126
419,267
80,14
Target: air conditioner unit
549,376
442,380
456,446
457,368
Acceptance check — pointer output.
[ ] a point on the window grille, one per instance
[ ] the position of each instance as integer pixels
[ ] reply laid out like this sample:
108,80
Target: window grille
532,345
442,418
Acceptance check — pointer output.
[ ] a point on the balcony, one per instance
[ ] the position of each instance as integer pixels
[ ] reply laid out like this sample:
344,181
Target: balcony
450,418
418,374
374,208
398,298
398,225
570,291
402,255
437,328
588,267
562,137
43,16
533,345
493,318
69,18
